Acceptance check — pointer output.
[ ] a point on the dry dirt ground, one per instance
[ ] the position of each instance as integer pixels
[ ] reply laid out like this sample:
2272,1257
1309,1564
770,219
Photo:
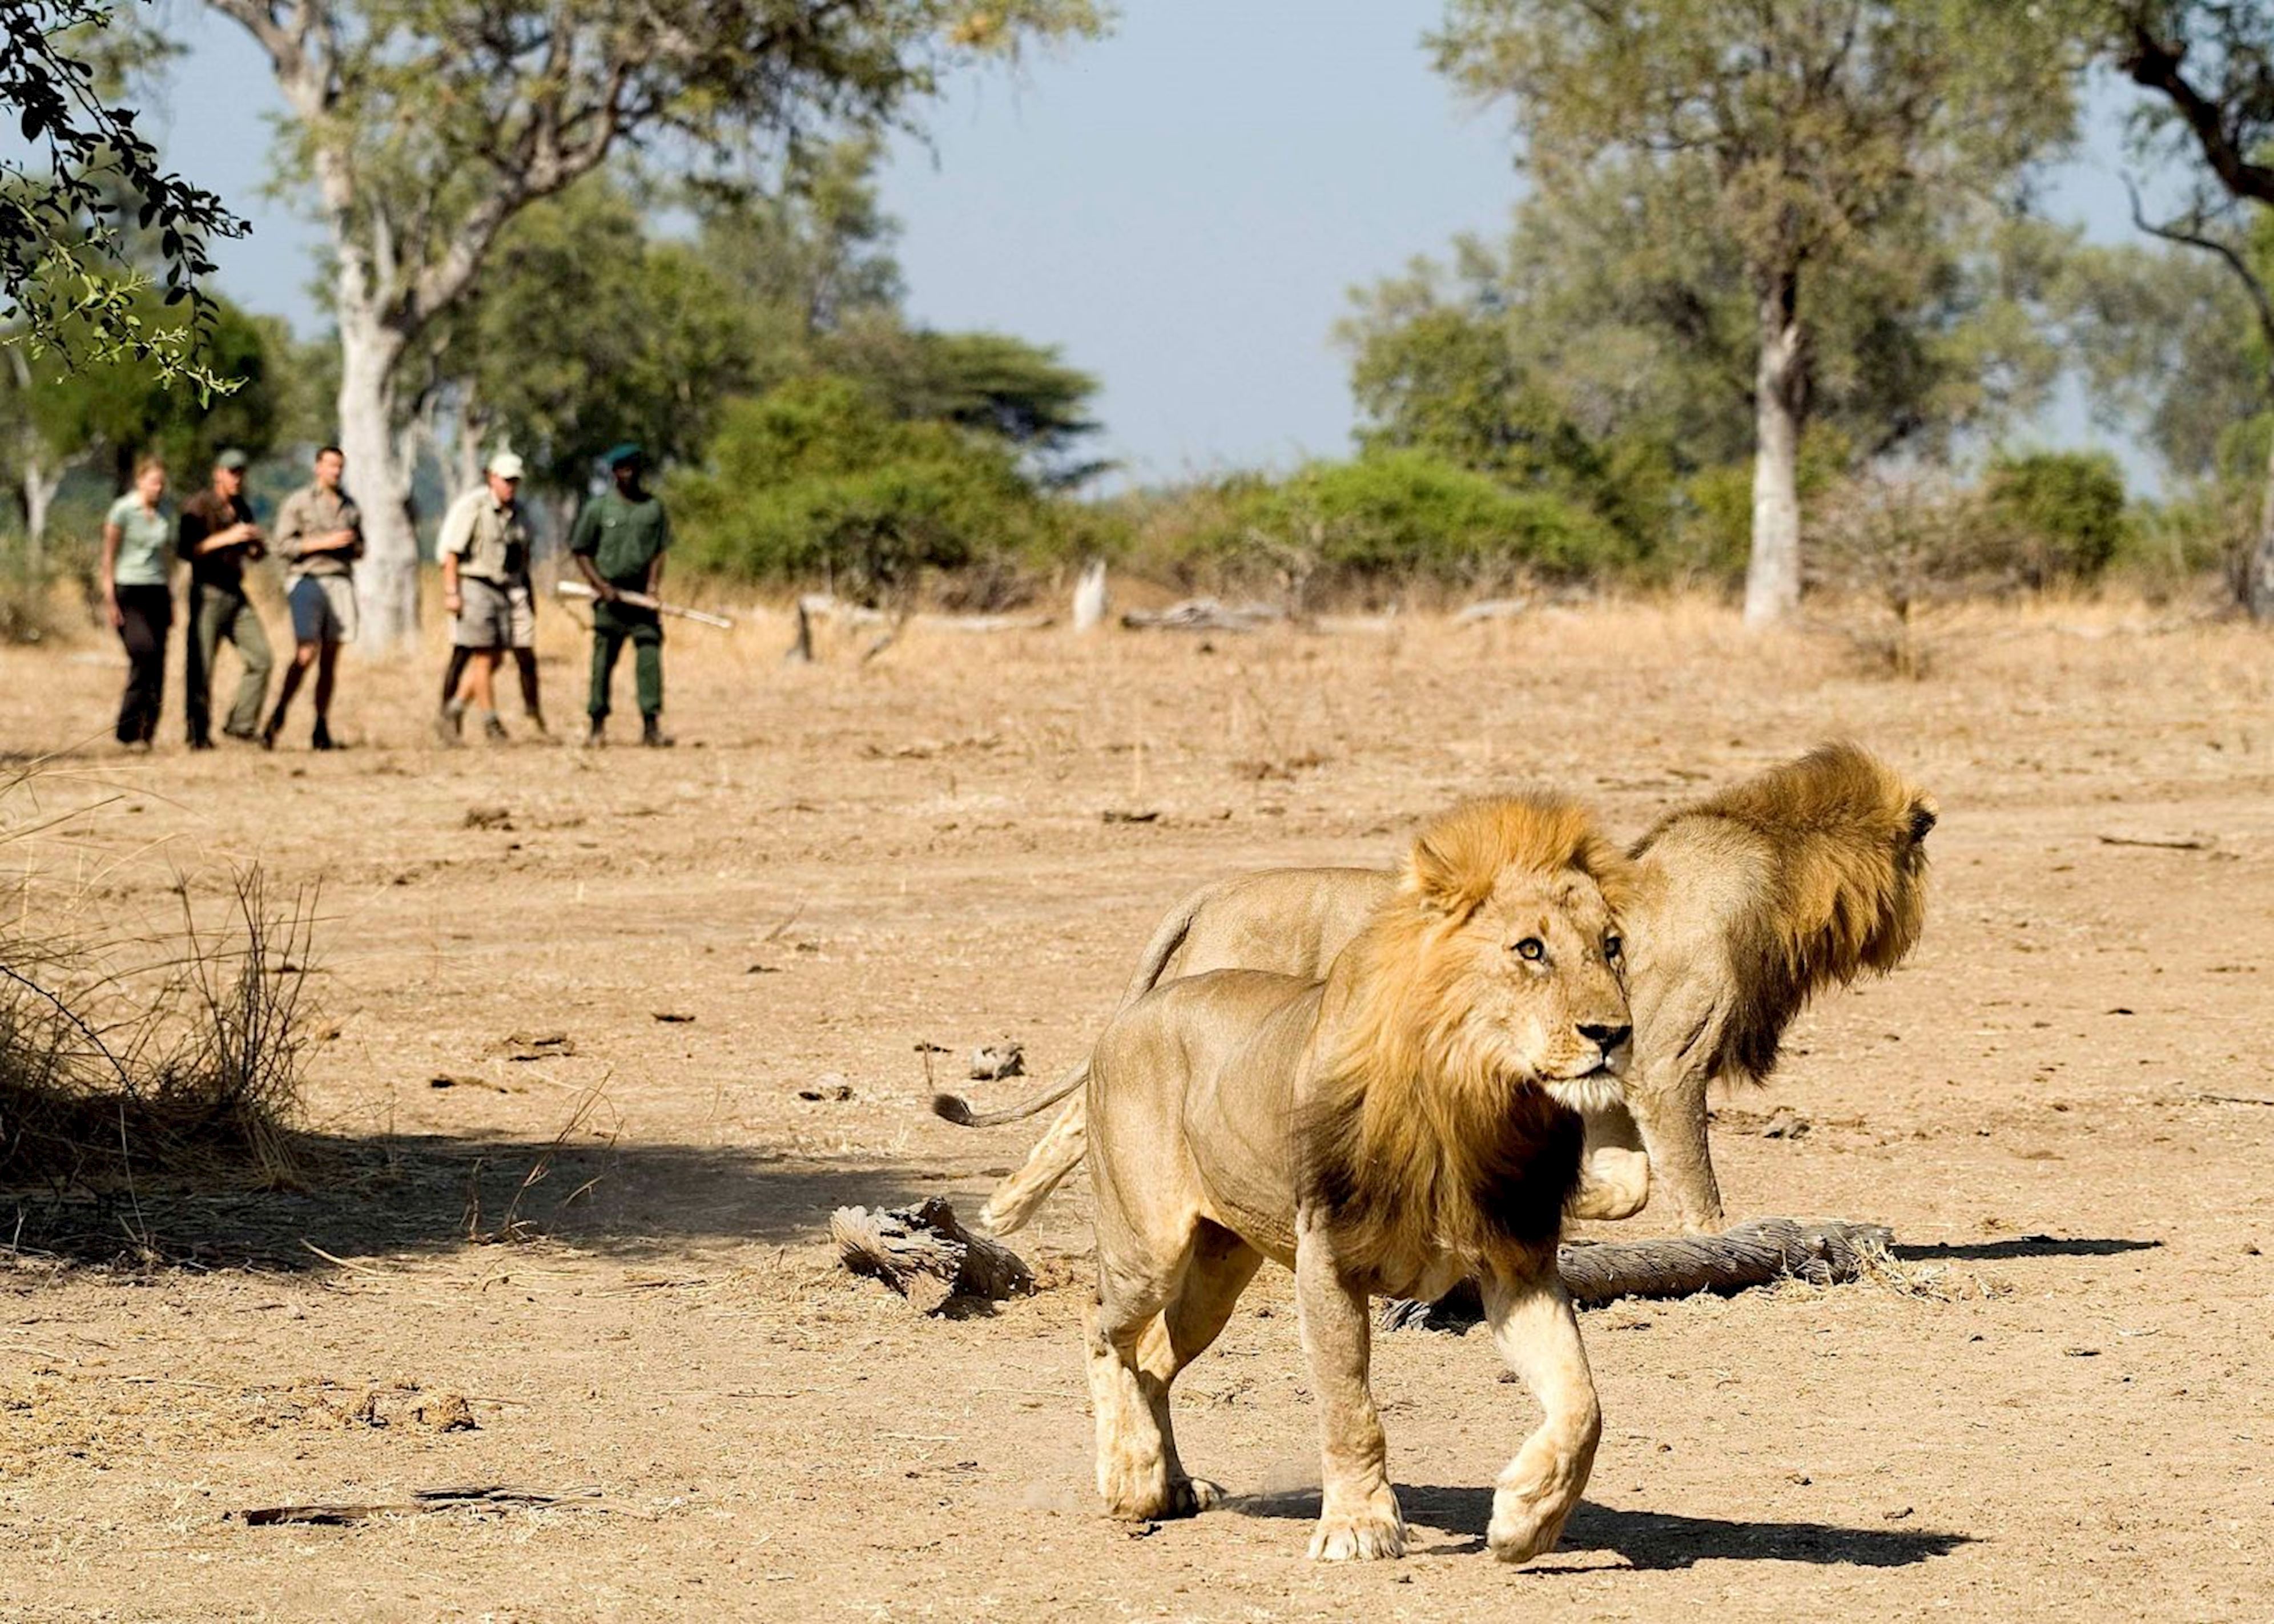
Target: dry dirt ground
2062,1105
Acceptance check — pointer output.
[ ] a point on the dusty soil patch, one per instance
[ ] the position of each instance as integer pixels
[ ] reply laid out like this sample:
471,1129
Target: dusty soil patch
2059,1405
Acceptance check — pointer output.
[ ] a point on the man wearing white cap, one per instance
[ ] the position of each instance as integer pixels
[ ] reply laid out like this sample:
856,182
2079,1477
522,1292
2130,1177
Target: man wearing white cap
485,548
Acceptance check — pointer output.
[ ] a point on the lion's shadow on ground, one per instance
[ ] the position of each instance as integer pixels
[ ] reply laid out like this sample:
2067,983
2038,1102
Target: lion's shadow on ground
397,1194
1650,1541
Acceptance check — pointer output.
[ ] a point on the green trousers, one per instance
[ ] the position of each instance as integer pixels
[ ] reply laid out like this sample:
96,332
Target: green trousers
217,614
612,624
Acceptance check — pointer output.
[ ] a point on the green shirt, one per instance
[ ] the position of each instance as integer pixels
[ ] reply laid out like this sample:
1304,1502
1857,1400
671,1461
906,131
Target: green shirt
622,538
142,536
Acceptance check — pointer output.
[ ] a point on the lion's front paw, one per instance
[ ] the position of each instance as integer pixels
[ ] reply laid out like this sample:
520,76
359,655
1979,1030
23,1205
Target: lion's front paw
1370,1532
1525,1525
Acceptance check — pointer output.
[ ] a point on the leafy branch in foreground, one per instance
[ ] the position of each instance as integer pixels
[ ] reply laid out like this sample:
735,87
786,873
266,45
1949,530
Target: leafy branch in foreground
88,191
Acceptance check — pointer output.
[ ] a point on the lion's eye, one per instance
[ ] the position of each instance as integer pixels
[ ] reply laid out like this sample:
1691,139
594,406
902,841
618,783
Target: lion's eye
1613,948
1532,948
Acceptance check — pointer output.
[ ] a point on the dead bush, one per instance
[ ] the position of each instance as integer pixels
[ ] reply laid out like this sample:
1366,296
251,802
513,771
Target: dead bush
152,1056
1897,548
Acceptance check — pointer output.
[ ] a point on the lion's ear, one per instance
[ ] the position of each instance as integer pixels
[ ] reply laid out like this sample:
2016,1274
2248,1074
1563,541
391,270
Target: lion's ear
1437,876
1924,815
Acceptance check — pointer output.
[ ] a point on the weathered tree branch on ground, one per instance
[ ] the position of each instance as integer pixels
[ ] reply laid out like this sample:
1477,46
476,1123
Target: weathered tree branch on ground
1751,1254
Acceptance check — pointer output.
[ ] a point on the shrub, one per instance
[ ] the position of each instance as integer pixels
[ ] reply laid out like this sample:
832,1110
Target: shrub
1405,513
2062,511
818,480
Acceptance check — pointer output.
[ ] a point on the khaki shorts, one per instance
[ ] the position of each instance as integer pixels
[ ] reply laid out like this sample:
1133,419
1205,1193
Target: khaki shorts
521,618
484,616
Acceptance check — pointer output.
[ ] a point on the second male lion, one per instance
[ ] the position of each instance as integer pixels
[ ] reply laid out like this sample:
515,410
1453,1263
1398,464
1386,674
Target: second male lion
1749,902
1393,1130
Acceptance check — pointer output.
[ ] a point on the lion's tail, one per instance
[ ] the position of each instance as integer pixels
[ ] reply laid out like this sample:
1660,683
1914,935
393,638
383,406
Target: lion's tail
1166,940
955,1109
1058,1153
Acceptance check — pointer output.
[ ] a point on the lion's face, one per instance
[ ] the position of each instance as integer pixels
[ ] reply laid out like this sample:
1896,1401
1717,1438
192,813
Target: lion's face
1535,973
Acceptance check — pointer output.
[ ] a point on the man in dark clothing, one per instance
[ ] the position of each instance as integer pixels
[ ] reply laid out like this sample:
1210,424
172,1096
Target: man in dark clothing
619,544
217,536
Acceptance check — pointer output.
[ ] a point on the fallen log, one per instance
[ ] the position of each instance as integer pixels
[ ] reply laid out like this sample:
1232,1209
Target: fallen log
1203,615
1751,1254
923,1253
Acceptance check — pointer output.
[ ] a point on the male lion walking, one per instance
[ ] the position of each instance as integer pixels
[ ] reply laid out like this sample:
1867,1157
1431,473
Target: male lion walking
1403,1125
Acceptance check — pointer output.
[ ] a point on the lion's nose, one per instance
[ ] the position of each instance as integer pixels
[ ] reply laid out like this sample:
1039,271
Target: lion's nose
1606,1038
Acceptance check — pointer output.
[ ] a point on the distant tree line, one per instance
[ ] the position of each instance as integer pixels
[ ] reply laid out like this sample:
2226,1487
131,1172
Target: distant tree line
1763,252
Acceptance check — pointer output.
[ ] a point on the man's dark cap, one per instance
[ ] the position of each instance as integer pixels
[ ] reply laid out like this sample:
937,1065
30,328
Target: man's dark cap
234,459
626,452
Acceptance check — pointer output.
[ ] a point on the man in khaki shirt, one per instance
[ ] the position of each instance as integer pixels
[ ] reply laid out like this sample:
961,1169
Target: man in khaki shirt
319,536
484,550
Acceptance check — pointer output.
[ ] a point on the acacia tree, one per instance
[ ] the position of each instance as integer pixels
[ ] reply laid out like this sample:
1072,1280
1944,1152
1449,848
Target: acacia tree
1822,122
427,125
2209,66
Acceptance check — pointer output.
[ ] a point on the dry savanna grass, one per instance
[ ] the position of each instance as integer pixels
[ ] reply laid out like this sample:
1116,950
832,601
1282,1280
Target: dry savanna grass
605,1036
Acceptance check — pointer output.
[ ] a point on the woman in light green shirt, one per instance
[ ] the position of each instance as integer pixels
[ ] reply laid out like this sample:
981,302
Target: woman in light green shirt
135,532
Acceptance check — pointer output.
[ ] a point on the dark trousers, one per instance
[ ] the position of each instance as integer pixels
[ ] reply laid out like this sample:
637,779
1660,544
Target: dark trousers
613,624
220,614
147,612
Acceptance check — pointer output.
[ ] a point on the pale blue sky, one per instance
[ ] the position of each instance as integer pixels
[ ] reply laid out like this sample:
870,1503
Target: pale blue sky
1182,206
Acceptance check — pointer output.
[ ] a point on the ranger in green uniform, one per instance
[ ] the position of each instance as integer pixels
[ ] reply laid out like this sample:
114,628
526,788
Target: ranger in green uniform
619,544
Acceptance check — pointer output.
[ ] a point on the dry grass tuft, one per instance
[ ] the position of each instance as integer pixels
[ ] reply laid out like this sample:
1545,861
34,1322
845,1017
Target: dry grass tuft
176,1055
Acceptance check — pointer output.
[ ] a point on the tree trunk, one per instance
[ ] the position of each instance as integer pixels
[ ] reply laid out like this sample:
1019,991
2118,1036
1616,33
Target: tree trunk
40,484
378,474
2258,577
1780,395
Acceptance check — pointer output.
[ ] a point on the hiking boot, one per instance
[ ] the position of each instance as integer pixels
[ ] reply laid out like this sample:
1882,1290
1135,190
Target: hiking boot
199,742
596,733
493,729
536,720
275,726
321,739
651,733
244,736
450,725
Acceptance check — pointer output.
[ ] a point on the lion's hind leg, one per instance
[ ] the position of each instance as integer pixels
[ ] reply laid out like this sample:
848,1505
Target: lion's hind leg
1136,1451
1218,1270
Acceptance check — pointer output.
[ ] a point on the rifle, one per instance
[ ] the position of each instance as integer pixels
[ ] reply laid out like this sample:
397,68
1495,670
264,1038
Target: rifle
641,600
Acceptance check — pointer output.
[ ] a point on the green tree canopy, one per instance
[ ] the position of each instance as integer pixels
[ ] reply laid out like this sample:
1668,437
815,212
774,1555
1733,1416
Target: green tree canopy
1825,131
422,128
87,207
1605,349
820,478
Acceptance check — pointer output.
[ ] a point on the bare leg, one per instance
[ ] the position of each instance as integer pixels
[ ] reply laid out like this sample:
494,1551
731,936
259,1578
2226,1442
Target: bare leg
1614,1172
1537,1336
327,669
524,661
304,655
1670,1108
1222,1265
1358,1518
478,688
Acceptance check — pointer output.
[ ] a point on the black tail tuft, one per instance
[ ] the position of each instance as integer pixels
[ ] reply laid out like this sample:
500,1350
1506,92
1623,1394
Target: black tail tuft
951,1106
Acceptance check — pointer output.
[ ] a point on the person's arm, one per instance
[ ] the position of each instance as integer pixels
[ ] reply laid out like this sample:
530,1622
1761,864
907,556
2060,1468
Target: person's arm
655,564
111,537
293,541
584,542
457,533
